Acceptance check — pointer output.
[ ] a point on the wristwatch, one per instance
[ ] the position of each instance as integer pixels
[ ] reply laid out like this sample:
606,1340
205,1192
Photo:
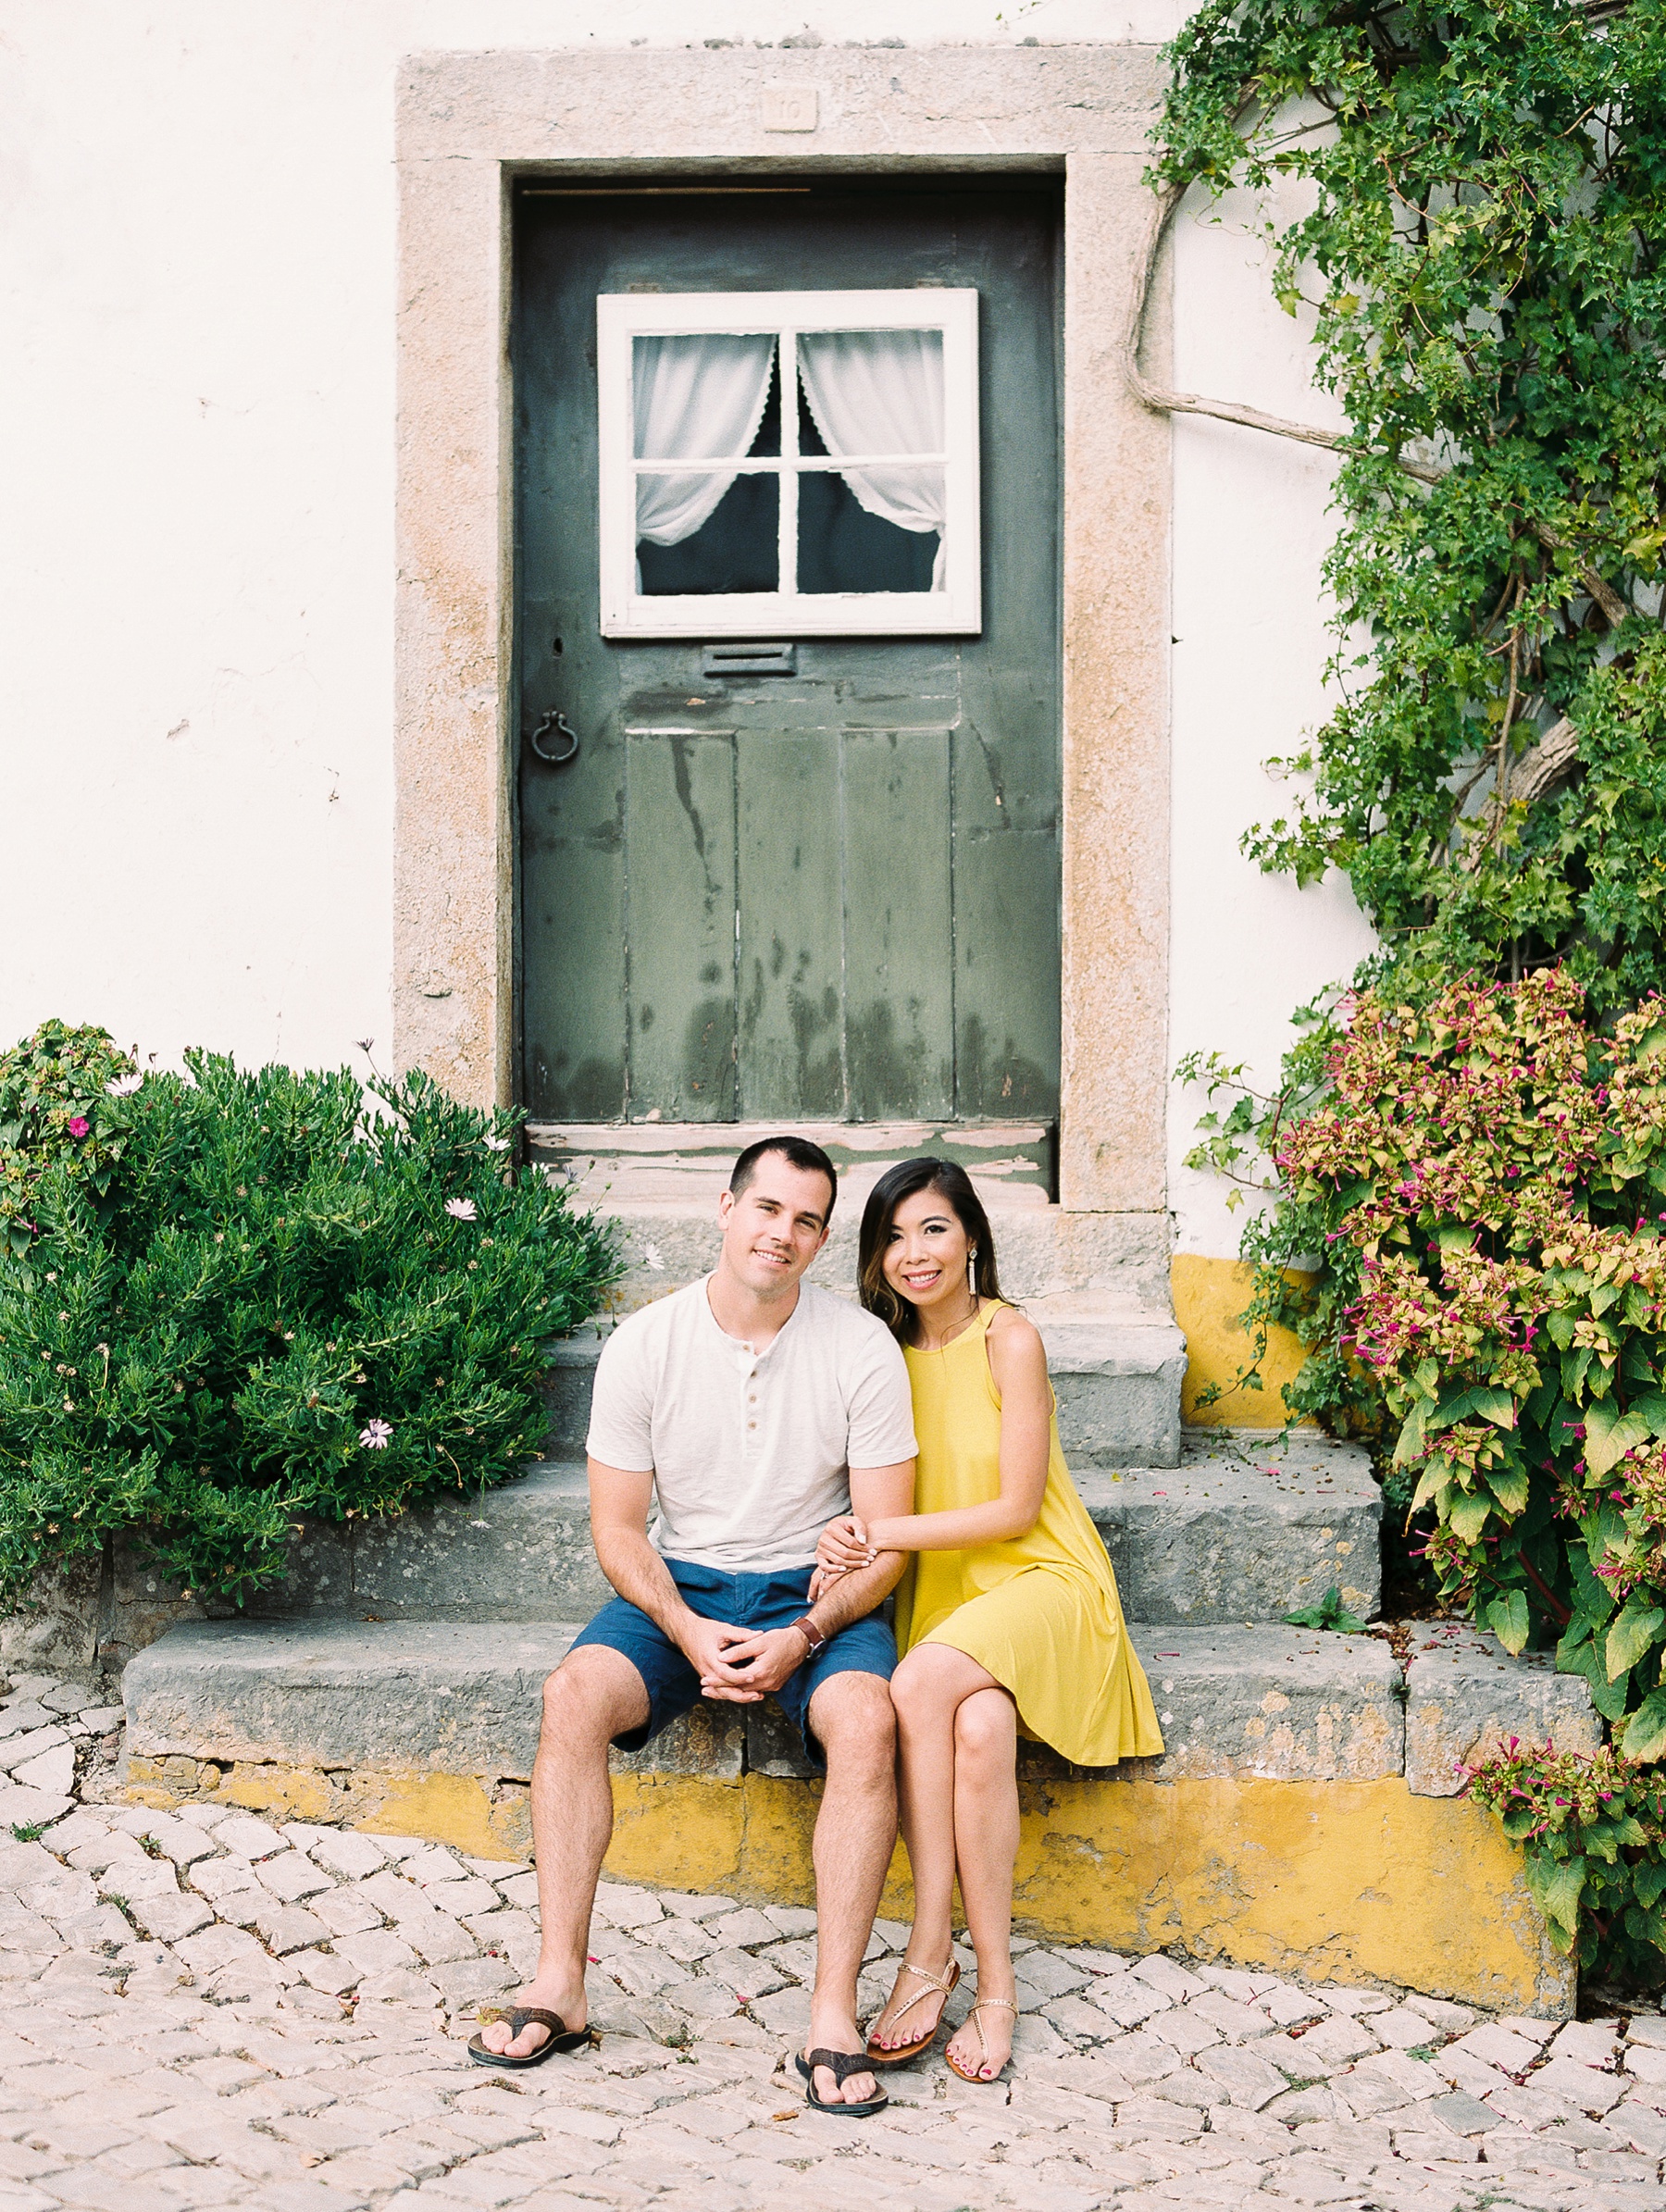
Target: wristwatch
814,1639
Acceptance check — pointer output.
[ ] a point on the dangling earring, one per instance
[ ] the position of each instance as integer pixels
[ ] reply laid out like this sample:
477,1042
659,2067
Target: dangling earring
972,1275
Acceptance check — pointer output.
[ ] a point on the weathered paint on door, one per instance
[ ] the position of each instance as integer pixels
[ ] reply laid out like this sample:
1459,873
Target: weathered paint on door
827,896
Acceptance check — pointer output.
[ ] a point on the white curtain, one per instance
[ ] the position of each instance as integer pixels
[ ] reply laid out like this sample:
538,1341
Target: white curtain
882,392
697,398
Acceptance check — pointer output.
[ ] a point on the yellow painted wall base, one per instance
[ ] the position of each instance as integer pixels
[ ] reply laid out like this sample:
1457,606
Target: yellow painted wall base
1334,1881
1209,1295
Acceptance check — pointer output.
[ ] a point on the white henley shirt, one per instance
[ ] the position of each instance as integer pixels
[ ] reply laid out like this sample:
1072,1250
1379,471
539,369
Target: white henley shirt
751,1452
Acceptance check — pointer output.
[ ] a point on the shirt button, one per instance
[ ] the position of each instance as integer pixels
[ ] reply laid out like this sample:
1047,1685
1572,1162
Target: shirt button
751,1424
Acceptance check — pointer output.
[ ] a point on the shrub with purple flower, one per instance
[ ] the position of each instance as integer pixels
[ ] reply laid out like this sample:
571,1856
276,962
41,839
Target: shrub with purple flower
1489,1169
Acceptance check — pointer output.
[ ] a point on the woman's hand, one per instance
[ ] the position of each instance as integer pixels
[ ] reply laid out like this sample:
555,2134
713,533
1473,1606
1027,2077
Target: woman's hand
844,1544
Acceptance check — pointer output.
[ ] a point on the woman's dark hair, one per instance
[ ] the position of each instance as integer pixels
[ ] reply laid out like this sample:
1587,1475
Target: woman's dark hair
954,1186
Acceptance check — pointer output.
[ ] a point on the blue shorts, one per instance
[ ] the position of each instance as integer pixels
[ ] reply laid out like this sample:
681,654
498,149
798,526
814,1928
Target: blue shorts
866,1647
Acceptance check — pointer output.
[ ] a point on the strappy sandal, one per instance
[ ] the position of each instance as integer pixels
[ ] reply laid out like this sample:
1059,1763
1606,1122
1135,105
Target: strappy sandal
560,2037
902,2053
841,2065
982,2004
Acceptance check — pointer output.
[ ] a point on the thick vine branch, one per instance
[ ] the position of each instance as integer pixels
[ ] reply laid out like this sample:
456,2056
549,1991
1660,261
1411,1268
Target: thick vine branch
1163,402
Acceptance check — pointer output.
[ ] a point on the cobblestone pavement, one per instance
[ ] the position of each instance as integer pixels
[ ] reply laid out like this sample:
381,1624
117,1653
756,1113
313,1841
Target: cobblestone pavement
205,2010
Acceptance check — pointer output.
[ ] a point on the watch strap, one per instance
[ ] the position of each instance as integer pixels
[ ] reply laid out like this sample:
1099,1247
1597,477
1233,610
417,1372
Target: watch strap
813,1636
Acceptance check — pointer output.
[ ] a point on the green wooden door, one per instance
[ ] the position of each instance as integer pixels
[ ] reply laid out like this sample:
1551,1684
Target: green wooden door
824,895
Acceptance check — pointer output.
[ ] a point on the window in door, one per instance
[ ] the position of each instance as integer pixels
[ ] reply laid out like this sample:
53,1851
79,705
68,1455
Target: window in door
804,462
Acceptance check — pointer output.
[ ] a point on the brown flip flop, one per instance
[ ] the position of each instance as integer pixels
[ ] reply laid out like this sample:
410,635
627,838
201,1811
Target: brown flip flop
841,2065
903,2051
560,2038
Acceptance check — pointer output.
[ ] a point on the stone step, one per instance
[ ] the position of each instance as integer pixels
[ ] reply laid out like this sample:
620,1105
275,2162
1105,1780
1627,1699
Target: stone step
1048,1256
1302,1817
1116,1369
1261,1702
1231,1535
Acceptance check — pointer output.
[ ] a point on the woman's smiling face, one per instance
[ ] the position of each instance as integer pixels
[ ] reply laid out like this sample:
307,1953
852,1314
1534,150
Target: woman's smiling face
926,1251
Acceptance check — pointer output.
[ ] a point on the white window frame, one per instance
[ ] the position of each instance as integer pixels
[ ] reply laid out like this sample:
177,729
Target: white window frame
626,612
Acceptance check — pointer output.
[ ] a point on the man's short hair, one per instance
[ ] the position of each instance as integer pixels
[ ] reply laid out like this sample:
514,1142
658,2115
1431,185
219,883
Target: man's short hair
798,1152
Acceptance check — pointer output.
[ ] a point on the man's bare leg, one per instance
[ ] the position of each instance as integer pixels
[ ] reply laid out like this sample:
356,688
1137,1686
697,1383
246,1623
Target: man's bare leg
592,1696
855,1830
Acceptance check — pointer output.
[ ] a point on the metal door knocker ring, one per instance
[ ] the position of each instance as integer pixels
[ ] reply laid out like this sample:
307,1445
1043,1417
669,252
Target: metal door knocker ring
566,739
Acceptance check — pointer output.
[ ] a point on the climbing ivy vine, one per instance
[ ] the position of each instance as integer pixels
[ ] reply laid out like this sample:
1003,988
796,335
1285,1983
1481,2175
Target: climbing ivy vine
1483,257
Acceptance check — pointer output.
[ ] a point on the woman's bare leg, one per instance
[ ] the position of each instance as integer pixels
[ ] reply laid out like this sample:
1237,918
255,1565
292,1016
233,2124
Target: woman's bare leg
986,1846
927,1689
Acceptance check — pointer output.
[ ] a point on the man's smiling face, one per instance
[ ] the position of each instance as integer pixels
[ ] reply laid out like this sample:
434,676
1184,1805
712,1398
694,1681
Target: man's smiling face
776,1226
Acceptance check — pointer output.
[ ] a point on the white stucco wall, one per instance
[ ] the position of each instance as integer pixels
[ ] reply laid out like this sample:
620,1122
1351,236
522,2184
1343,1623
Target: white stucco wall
1251,528
197,289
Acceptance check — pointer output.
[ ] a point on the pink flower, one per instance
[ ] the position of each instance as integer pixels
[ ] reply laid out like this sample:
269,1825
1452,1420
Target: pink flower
79,1126
460,1209
374,1434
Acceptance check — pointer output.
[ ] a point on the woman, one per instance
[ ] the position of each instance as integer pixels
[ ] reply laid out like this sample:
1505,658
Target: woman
1008,1618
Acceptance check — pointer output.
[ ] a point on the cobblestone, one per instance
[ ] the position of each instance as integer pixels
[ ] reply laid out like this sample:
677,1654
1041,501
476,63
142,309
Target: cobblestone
207,2009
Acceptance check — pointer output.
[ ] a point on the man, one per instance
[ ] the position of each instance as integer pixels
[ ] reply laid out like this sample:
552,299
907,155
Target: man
750,1408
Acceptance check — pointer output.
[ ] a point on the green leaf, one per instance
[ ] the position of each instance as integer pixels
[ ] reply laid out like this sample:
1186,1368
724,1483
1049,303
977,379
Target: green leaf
1611,1698
1494,1405
1610,1435
1558,1326
1469,1514
1631,1636
1649,1880
1507,1617
1410,1443
1580,1629
1329,1613
1458,1407
1643,1735
1510,1487
1651,1406
1558,1888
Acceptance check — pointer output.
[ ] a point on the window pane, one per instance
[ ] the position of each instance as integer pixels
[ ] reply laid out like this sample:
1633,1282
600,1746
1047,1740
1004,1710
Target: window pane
870,394
699,397
735,546
843,546
874,391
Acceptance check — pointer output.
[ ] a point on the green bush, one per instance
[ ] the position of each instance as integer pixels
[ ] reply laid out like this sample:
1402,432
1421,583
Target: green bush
1594,1830
1468,1253
1488,1172
62,1096
243,1298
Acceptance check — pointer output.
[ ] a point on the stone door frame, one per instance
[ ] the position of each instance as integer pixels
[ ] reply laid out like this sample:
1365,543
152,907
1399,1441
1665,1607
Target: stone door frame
468,128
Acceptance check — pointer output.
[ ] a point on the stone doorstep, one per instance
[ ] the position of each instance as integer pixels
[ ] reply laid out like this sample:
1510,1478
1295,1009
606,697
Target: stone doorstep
1046,1254
1116,1368
611,1164
1270,1703
1232,1535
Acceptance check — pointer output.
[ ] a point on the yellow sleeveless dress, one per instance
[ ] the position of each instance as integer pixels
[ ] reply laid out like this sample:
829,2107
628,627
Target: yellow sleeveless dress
1039,1612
